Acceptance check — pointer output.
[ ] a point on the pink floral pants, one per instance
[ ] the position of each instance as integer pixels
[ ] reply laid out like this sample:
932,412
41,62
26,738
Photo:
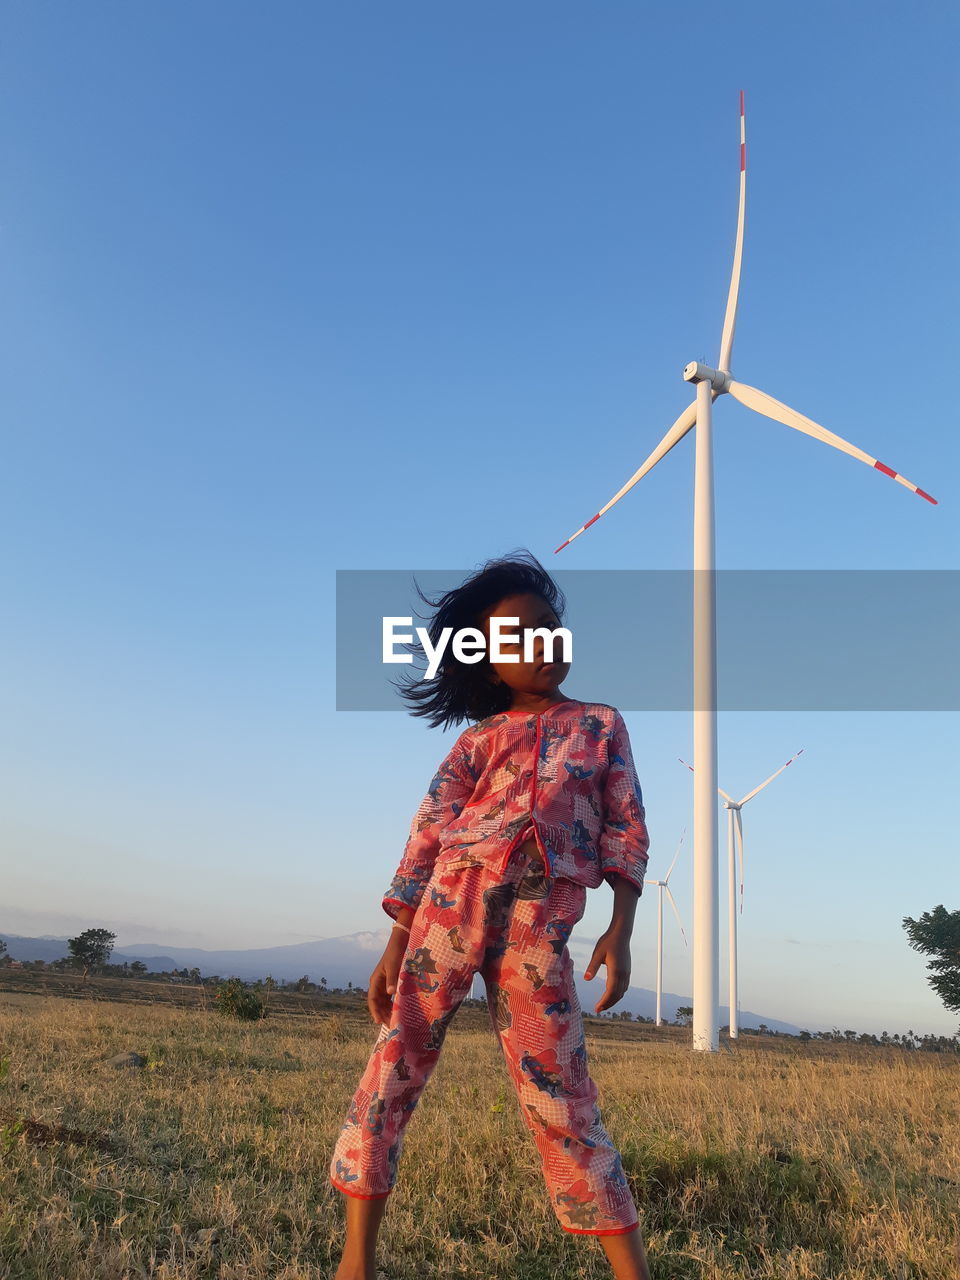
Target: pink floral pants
513,929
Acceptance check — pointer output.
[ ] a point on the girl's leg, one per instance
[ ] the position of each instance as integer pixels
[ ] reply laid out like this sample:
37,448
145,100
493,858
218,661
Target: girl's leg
535,1010
359,1258
626,1256
443,952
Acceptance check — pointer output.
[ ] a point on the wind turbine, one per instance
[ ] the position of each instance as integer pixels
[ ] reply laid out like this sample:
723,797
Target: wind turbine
733,808
710,383
663,886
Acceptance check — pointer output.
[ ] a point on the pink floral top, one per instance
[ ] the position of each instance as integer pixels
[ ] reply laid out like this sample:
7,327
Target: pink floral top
564,776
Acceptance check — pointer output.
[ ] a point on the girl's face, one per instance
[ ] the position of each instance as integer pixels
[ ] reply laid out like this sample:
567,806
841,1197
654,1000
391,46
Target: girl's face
534,676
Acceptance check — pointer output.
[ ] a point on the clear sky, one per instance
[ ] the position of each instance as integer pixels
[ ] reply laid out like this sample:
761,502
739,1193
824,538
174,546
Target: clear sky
292,289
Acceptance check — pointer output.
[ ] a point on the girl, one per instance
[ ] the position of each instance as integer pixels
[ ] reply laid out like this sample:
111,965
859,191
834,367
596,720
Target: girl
536,802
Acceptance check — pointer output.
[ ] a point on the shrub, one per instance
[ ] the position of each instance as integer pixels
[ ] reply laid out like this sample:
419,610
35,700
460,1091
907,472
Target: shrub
236,1000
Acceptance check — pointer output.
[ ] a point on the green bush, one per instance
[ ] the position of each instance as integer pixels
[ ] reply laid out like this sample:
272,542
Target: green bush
236,1000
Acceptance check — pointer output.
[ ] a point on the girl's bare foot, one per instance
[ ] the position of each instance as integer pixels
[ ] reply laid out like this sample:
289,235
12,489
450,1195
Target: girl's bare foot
358,1261
347,1271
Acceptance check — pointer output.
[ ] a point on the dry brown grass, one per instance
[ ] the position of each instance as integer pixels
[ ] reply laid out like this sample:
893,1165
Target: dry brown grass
772,1161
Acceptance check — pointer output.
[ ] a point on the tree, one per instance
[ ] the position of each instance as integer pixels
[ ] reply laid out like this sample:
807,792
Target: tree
91,948
137,967
684,1014
937,934
3,948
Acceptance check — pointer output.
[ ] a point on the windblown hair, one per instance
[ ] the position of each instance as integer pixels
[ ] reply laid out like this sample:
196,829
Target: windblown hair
461,690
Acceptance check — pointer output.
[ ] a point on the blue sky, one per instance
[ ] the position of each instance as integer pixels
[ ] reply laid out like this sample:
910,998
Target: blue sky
292,290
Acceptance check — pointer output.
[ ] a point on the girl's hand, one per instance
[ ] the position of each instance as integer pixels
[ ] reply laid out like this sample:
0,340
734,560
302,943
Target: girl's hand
613,950
383,981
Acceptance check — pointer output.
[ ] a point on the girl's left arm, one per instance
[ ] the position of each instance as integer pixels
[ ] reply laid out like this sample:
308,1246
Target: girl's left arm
624,841
623,857
625,897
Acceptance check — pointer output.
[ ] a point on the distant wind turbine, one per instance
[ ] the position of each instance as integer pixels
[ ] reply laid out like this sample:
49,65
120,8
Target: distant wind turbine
733,808
663,886
711,383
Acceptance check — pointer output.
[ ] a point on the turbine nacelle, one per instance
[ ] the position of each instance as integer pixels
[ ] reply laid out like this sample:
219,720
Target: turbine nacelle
697,372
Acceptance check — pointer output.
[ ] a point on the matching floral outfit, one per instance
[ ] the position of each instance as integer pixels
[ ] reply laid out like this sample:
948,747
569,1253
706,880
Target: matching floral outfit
486,902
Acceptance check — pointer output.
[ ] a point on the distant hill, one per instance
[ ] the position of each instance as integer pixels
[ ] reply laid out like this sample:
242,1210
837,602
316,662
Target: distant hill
351,959
49,948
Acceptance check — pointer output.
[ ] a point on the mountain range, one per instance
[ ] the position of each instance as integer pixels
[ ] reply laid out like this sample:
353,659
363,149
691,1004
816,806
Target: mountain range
351,958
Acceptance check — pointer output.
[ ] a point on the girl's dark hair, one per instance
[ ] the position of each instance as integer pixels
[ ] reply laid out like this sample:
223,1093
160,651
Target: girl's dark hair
462,690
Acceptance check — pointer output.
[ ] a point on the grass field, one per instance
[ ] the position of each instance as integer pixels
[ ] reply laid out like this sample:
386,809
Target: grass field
768,1159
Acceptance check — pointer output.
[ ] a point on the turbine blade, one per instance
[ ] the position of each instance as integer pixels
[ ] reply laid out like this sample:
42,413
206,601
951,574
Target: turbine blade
739,834
730,318
676,913
675,856
720,789
751,794
675,434
762,403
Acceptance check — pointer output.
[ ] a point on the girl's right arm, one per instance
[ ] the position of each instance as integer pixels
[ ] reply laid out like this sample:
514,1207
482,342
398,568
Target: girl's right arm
383,981
405,917
452,786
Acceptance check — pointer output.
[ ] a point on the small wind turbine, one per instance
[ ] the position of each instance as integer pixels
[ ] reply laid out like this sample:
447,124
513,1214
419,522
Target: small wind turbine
711,383
663,886
733,808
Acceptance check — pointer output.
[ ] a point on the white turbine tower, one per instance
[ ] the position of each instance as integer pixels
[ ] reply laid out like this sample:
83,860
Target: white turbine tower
710,383
663,886
735,823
